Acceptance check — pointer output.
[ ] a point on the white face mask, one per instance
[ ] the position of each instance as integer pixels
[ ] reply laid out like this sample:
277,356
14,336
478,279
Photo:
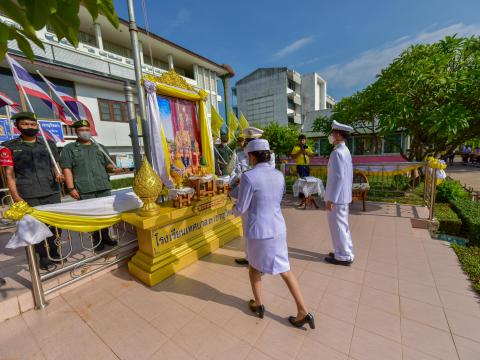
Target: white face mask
331,139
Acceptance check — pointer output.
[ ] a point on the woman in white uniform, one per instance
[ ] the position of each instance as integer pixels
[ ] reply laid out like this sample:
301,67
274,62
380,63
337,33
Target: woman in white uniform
260,195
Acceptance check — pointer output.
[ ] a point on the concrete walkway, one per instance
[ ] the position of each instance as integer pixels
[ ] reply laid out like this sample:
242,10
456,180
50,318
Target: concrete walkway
405,297
467,175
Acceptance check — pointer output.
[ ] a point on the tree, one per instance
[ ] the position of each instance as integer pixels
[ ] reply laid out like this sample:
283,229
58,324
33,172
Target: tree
430,92
282,139
61,15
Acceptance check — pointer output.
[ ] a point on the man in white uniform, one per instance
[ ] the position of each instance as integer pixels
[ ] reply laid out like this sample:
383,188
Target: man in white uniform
338,196
250,133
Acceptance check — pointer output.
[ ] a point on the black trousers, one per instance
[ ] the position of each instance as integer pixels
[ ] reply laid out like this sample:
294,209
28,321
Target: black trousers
40,248
303,171
100,235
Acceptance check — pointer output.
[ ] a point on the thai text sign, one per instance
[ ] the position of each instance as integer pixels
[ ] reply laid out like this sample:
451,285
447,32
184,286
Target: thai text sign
176,233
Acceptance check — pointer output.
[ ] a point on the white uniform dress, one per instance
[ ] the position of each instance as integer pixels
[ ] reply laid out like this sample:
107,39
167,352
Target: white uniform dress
339,192
241,166
260,195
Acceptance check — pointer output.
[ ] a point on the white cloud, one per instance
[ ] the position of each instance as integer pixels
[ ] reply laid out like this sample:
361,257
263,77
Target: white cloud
183,16
363,69
293,47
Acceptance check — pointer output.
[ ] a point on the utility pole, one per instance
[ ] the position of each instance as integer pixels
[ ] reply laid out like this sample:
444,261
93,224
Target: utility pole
138,78
132,121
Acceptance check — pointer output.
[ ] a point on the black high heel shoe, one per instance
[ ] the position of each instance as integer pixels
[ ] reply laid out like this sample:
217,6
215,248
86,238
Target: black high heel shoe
257,309
307,319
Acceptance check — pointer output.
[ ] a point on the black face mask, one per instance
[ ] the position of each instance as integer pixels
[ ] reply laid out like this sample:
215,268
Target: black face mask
28,131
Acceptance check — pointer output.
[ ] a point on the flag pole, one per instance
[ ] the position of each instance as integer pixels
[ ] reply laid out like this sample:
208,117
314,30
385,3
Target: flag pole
57,168
75,116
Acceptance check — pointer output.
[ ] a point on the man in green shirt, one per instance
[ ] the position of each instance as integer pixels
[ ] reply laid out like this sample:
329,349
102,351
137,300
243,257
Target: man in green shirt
86,166
224,156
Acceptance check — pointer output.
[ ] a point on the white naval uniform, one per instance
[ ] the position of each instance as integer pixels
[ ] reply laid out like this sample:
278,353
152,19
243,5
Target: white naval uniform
242,163
272,160
339,192
260,195
240,168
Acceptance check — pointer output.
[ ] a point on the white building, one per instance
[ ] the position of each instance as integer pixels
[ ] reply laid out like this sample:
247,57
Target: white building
96,71
281,95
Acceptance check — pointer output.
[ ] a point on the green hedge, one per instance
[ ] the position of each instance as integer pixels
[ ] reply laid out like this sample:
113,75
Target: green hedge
469,213
121,183
450,223
450,190
469,257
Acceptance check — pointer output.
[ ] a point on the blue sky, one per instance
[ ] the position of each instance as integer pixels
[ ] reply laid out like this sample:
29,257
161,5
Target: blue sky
347,42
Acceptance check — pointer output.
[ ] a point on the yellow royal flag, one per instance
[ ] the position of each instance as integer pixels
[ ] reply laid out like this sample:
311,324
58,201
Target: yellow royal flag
243,122
217,122
232,125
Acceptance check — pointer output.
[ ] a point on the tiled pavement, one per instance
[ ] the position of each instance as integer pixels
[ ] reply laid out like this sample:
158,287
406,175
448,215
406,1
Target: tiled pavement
467,175
405,297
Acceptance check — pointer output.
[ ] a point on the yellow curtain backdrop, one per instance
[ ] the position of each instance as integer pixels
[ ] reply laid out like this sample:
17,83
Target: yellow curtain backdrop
61,221
243,122
205,129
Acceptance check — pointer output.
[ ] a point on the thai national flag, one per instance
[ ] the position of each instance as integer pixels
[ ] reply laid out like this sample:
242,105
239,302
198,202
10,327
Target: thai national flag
24,80
6,101
51,136
78,108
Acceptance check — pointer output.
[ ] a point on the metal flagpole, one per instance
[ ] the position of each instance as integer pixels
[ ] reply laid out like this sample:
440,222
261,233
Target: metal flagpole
76,117
138,78
57,168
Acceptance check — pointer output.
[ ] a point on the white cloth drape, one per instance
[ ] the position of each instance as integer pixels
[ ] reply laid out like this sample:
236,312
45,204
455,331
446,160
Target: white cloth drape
159,161
32,231
308,186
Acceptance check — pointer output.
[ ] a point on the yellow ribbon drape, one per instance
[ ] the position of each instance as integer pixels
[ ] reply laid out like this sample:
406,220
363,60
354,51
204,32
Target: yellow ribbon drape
61,221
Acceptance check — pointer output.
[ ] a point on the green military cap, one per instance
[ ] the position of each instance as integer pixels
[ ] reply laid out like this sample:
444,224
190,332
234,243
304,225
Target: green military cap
81,123
24,115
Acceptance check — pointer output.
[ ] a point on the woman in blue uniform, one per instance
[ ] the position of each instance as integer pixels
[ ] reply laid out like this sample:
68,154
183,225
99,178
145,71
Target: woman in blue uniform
261,192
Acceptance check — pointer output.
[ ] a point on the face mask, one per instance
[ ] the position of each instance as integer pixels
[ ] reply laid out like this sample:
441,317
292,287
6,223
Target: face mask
28,131
84,135
331,139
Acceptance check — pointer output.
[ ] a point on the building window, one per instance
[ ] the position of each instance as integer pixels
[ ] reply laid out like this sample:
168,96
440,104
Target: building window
117,49
111,110
156,62
323,148
291,85
392,144
87,39
367,145
291,104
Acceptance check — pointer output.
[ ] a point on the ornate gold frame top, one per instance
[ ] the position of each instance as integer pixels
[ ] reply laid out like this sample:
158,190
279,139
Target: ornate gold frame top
170,78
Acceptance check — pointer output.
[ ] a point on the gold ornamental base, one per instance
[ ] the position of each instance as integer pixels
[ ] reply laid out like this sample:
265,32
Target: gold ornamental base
175,238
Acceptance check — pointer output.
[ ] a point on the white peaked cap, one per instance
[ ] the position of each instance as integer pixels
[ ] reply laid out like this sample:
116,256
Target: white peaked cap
257,145
252,132
342,127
